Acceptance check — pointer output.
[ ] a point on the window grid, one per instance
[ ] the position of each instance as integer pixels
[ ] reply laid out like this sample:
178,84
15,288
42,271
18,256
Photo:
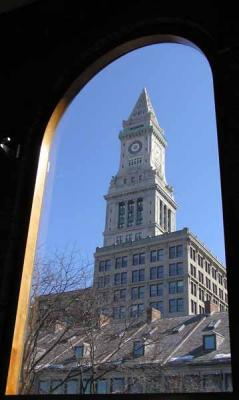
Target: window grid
176,269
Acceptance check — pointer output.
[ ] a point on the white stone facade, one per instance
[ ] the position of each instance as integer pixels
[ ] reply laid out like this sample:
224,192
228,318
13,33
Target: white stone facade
176,274
136,268
140,203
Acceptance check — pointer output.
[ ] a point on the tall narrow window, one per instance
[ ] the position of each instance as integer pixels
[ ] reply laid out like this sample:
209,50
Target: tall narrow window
139,217
121,217
165,217
161,214
169,220
130,217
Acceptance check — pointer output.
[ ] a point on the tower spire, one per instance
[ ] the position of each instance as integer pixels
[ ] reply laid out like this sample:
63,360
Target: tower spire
142,113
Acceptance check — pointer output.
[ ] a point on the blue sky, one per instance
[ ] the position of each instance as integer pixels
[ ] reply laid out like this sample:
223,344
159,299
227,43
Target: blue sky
86,148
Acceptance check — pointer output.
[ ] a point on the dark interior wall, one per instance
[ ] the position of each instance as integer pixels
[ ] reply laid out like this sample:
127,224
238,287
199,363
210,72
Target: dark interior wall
45,46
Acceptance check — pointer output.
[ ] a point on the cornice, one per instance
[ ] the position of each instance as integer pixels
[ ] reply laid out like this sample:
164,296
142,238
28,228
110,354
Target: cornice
133,132
131,191
164,237
201,246
135,190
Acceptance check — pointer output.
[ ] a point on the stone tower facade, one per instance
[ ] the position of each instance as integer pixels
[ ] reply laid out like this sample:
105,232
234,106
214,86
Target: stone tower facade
145,262
140,203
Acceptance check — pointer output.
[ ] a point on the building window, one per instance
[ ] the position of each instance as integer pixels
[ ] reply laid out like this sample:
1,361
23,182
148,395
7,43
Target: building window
156,255
176,251
138,236
156,290
176,305
200,277
138,275
139,259
119,294
138,348
137,292
169,220
208,297
214,273
201,294
121,216
208,283
121,262
87,384
130,216
103,281
136,310
79,351
225,283
71,386
58,385
158,305
214,288
117,385
220,293
101,386
192,254
175,287
165,217
176,269
139,212
193,307
119,239
193,289
209,342
119,312
161,214
43,387
135,161
104,265
220,279
128,238
156,272
201,310
200,261
120,278
207,267
193,270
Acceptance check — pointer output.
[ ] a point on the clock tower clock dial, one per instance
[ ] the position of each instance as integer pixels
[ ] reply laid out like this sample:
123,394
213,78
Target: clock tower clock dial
135,147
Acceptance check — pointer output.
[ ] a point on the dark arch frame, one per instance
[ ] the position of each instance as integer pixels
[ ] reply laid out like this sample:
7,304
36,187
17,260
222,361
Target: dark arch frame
40,80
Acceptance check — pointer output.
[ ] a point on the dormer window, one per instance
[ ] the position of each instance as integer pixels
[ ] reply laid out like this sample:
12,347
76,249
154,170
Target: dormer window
209,342
79,351
138,349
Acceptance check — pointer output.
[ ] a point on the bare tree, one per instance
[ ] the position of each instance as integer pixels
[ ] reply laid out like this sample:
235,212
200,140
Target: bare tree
57,285
64,312
69,338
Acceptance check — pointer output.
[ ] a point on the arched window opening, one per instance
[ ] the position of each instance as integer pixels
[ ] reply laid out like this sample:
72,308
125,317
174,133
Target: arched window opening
93,299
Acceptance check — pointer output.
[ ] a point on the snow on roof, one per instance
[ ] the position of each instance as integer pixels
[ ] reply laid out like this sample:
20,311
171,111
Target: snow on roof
188,357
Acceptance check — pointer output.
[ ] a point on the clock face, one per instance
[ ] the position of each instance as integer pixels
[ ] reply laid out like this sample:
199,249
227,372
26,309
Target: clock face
135,147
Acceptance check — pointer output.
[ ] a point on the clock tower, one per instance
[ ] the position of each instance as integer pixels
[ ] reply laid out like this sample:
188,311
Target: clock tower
140,203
